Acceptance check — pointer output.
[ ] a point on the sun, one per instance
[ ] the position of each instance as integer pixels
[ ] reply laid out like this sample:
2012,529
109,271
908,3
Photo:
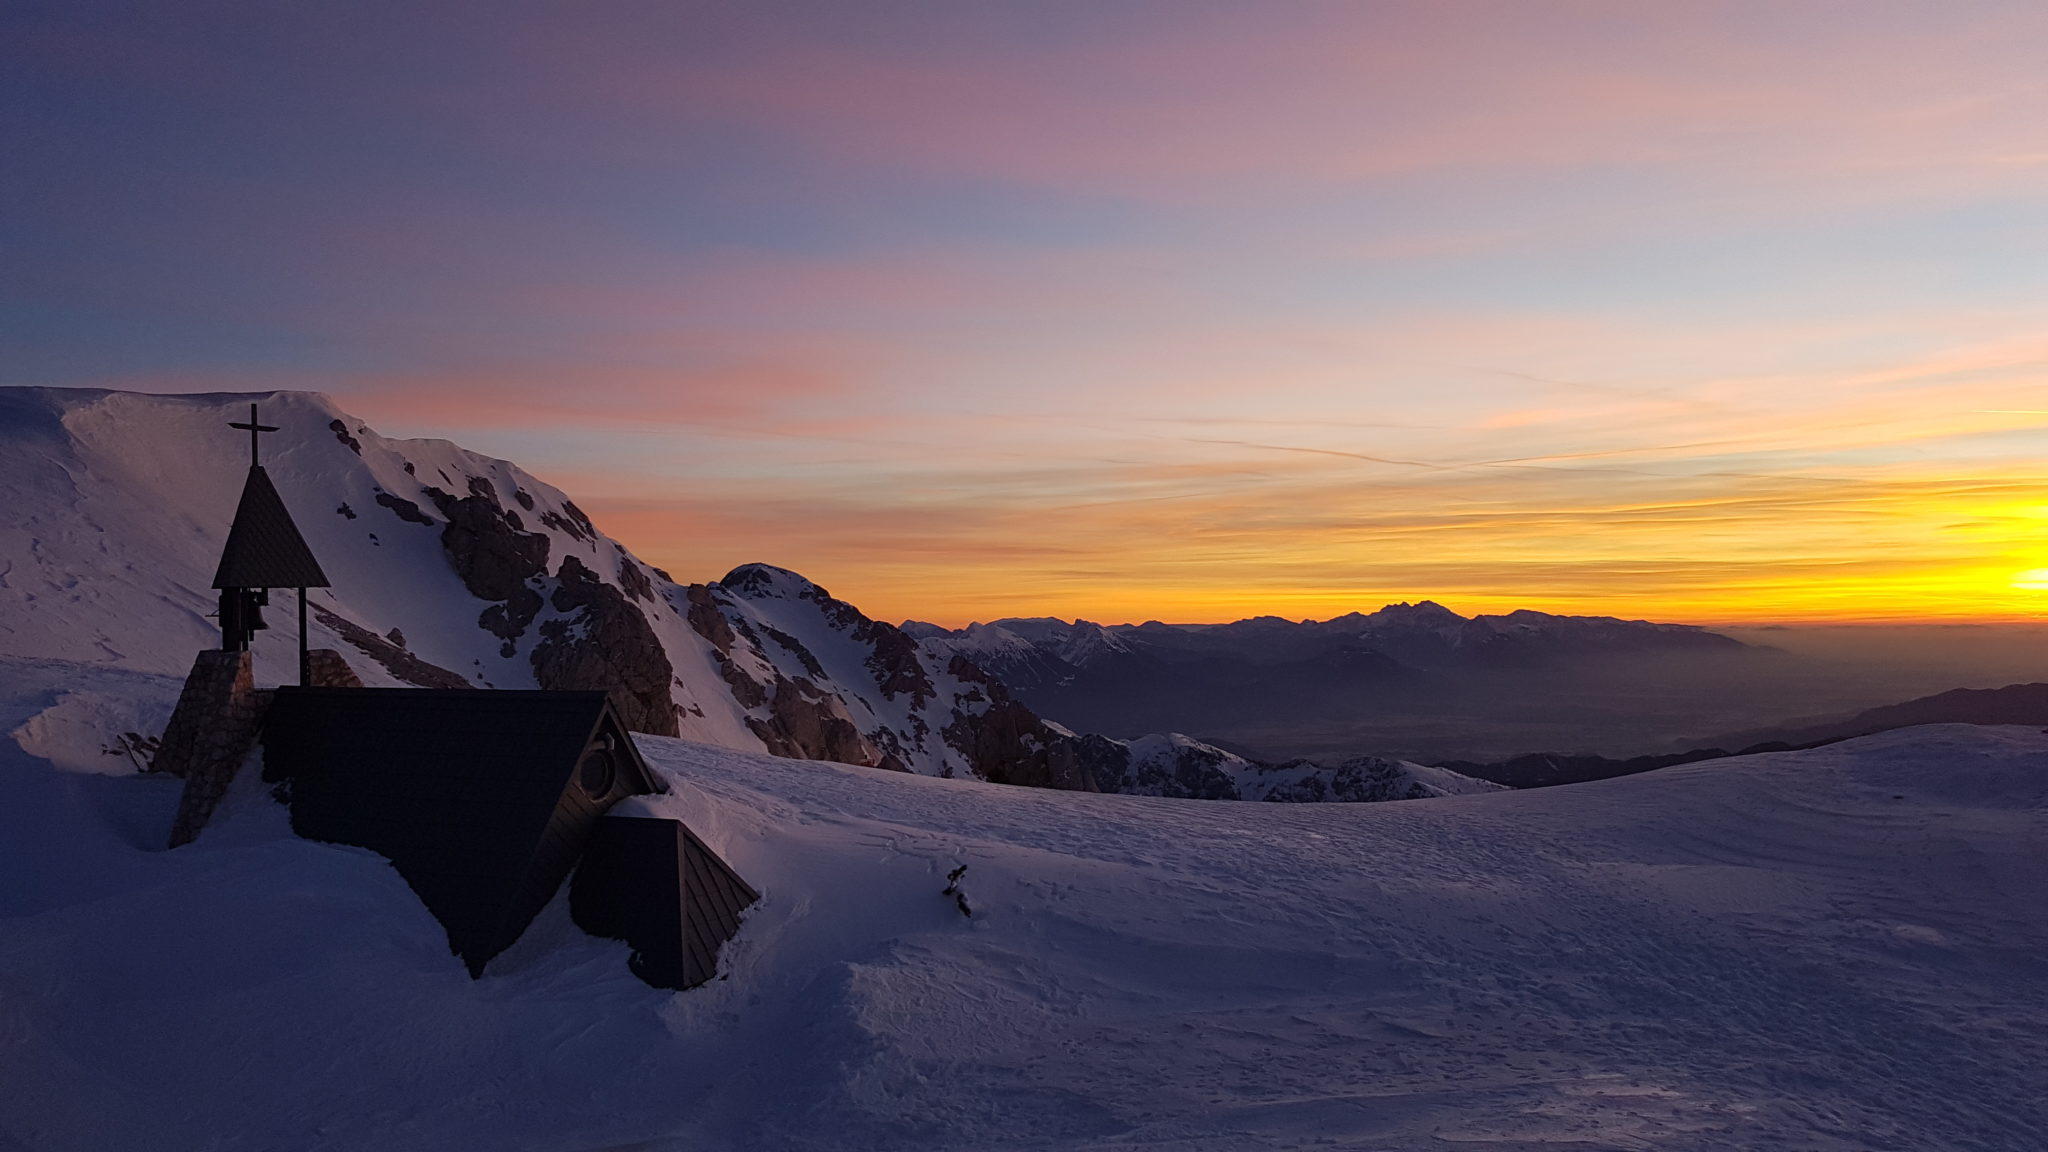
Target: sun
2035,579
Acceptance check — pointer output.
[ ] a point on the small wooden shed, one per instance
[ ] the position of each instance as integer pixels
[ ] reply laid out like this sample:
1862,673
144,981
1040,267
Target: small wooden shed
650,882
485,801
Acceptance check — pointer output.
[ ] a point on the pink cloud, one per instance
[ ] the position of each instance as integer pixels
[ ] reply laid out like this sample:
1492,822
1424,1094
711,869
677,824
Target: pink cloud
1208,104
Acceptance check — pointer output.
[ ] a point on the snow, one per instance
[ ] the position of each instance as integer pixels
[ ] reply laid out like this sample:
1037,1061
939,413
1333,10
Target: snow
120,502
1844,948
1003,644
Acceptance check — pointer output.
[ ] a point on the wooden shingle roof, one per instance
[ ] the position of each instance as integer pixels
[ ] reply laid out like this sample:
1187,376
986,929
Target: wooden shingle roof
264,548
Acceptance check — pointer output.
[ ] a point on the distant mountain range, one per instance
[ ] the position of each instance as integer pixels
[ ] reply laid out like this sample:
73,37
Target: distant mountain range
1265,672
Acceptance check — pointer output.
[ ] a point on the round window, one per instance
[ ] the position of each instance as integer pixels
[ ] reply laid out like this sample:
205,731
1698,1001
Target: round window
597,773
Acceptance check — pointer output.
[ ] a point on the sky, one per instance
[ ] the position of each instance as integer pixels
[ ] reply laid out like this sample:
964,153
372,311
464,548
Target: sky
1712,312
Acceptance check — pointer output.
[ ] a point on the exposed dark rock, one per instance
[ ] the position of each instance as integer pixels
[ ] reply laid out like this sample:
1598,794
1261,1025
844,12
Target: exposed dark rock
634,581
524,497
808,723
1008,744
396,637
346,511
1105,762
895,662
494,559
570,521
582,521
409,470
1361,780
707,620
340,431
750,693
894,757
404,509
508,620
607,645
796,648
1191,773
397,661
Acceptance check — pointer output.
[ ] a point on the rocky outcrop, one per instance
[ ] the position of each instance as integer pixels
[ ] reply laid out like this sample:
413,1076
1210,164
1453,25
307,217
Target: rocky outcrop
402,508
808,723
495,556
570,522
340,431
1366,779
895,664
486,545
601,641
803,720
707,621
633,579
1006,742
1183,769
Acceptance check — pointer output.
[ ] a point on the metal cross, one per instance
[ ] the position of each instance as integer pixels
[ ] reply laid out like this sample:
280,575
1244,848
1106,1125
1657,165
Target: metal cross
255,430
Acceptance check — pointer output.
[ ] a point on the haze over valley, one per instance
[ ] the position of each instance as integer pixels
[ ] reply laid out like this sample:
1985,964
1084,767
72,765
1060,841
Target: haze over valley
1420,682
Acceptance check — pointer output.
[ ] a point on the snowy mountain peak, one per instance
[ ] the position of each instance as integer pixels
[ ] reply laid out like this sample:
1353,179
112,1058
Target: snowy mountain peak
1420,612
767,582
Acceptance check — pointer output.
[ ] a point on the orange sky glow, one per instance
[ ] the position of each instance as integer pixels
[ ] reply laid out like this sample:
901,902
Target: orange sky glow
1717,313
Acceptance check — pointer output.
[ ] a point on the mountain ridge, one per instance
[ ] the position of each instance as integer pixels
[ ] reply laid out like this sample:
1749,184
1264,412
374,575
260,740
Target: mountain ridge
454,568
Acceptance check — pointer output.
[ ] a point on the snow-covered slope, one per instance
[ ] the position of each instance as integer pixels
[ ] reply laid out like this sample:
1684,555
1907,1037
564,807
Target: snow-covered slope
451,568
1836,950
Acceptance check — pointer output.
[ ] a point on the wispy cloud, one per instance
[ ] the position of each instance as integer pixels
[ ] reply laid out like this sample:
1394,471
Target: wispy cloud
1120,310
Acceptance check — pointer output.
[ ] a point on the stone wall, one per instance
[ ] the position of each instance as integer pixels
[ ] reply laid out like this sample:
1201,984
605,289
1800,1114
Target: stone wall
215,725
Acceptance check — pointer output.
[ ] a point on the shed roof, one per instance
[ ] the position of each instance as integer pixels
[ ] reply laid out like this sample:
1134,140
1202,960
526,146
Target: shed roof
474,795
264,548
648,880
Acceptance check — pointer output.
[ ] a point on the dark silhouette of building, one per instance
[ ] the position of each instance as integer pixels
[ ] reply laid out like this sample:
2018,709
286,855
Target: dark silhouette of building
484,801
264,551
653,884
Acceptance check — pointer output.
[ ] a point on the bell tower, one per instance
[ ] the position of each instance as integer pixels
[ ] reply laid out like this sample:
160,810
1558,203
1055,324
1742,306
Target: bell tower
264,551
220,709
